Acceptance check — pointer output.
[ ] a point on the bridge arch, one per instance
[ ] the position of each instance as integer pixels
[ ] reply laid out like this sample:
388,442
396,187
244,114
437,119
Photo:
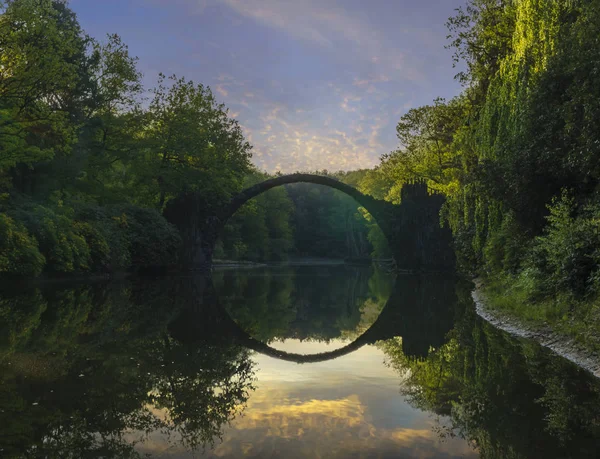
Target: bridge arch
377,208
412,228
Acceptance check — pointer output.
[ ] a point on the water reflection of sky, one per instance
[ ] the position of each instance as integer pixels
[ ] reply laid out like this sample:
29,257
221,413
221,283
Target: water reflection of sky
349,407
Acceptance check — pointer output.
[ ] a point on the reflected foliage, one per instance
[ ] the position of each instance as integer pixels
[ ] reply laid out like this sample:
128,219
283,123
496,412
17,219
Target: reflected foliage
314,303
97,370
510,397
91,371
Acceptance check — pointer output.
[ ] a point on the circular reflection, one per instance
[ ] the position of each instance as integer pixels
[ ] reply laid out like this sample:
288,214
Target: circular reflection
254,308
307,304
276,310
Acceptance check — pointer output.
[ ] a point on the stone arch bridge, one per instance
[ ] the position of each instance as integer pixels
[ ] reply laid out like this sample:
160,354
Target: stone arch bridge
412,228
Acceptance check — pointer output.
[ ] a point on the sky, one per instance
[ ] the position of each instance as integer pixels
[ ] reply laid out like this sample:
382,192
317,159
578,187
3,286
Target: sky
315,84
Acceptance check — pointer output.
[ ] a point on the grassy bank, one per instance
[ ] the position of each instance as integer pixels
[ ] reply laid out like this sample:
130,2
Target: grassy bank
567,315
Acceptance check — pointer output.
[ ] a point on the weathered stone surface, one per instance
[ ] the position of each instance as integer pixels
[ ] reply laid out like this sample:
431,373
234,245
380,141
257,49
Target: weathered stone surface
412,228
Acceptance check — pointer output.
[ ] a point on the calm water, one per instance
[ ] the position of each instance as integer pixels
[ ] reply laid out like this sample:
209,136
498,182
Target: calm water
290,362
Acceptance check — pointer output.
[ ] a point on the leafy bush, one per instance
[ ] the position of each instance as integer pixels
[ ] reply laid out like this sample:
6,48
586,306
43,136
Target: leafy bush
58,236
112,229
19,253
505,248
152,240
569,250
134,236
100,251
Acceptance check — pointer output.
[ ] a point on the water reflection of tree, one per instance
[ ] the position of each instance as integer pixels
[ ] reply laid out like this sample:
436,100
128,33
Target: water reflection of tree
510,397
91,371
260,303
319,303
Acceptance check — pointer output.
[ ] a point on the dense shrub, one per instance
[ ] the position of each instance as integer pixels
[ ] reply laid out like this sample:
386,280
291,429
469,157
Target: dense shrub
567,255
100,251
59,239
19,253
135,237
112,229
152,240
86,238
505,247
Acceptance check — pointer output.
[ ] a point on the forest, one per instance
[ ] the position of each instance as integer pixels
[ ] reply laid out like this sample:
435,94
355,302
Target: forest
517,155
92,162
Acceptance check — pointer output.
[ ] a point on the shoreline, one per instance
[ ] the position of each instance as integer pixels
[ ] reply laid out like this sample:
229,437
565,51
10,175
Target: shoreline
544,335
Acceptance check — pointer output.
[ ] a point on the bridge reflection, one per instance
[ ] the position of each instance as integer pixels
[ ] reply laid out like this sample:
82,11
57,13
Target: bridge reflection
420,310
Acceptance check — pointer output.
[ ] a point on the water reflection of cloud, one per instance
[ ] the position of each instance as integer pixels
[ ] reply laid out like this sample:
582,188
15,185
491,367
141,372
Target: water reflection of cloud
345,427
326,410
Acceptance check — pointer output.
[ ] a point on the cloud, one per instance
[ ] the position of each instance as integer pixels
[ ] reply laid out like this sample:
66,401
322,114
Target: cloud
370,81
307,20
277,421
221,90
345,105
350,136
333,101
326,24
226,83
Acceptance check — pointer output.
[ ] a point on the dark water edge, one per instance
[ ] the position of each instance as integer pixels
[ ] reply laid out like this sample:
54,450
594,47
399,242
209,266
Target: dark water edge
402,366
561,345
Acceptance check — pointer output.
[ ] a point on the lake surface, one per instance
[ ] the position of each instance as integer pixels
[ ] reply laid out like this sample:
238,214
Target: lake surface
290,362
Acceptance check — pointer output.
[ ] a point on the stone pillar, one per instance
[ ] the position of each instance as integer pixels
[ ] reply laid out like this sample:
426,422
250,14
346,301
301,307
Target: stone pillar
198,232
417,240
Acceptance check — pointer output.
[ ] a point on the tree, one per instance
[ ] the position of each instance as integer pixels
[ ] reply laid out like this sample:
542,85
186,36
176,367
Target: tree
481,35
427,152
193,145
110,140
43,54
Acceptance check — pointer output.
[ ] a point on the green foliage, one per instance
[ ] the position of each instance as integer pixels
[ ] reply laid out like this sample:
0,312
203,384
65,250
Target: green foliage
505,247
93,239
376,238
37,85
152,241
569,250
481,36
59,238
429,150
302,220
262,229
100,253
19,253
105,233
426,136
328,223
524,130
80,152
192,145
531,129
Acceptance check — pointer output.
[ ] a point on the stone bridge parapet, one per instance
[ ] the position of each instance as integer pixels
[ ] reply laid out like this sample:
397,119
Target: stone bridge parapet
412,228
